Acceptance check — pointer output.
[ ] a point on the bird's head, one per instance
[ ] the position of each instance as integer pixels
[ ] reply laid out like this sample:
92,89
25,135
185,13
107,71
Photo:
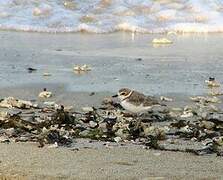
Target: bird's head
123,93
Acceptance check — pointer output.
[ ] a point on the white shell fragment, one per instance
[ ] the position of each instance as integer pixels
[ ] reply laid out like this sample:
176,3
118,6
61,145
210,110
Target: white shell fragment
117,139
93,124
215,93
45,94
162,41
3,115
186,114
87,109
51,104
84,67
201,99
47,74
55,145
163,98
10,102
212,83
69,4
218,140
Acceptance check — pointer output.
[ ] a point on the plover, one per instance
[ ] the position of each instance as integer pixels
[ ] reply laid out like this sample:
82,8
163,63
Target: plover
136,102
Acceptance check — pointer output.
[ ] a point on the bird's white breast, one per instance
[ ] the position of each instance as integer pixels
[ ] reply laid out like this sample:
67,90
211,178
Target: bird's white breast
133,108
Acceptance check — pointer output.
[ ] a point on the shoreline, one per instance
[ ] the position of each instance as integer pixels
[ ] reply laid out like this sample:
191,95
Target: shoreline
177,71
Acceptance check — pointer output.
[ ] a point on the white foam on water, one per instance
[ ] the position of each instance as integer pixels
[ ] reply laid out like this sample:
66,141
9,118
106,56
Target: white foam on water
104,16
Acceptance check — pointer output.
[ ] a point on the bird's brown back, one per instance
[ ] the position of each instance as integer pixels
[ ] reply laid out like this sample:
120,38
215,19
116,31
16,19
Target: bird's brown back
137,98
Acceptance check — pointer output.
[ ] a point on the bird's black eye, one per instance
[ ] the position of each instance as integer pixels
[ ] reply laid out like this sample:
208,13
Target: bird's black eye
122,93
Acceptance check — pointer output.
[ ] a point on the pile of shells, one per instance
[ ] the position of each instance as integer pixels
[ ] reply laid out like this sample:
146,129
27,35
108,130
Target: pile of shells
163,128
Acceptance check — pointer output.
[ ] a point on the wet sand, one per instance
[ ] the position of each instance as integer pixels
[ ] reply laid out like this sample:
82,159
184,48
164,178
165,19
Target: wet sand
177,71
29,162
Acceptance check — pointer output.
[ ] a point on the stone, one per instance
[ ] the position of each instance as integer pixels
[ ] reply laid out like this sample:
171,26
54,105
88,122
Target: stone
117,139
93,124
208,125
103,127
157,132
84,133
123,133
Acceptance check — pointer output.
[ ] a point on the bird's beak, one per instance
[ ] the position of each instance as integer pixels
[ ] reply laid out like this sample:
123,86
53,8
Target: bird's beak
116,95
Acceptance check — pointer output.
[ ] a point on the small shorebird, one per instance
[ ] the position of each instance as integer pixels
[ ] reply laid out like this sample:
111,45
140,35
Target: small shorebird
136,102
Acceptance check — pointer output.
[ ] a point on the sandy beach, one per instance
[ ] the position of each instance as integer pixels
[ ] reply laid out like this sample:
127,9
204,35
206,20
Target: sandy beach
26,161
117,60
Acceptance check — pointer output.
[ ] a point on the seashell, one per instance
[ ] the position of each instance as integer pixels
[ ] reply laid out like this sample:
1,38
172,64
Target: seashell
10,132
117,139
10,102
218,140
103,127
123,133
174,114
215,93
47,74
212,82
213,108
187,114
202,99
87,109
213,100
3,115
69,4
163,98
45,94
162,41
4,139
93,124
84,67
172,32
158,132
42,11
196,98
49,103
177,109
208,125
185,129
55,145
68,108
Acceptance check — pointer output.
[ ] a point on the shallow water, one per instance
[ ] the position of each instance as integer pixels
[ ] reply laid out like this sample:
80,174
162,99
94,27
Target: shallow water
181,67
102,16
